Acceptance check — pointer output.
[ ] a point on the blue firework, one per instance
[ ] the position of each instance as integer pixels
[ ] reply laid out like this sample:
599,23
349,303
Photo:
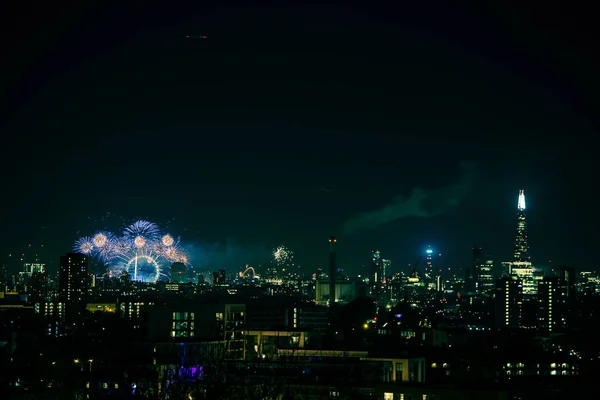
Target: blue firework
84,245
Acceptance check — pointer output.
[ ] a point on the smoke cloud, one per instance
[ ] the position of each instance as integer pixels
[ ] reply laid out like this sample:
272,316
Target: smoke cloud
228,255
421,203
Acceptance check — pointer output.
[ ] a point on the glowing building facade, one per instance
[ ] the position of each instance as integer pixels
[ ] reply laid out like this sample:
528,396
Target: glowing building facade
509,302
521,252
430,278
30,268
485,277
387,268
521,265
73,278
550,304
526,272
376,272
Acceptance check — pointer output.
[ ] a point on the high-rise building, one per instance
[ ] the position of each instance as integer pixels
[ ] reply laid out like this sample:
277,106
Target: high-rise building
73,278
567,276
477,258
529,276
38,286
387,268
332,270
550,304
31,268
429,265
376,268
220,278
485,277
521,251
471,279
509,302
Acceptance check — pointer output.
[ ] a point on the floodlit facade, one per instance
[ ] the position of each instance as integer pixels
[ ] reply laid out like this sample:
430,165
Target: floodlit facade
526,272
521,251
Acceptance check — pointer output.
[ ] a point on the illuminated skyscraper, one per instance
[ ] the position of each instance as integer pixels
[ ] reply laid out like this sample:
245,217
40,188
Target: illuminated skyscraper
429,265
485,277
521,252
551,304
376,272
73,278
509,302
387,269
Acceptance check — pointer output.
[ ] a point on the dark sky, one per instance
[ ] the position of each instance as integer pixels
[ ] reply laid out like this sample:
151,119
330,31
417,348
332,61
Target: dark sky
288,122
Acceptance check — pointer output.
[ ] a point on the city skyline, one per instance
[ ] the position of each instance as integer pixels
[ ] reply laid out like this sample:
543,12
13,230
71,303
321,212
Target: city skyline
354,201
113,258
340,130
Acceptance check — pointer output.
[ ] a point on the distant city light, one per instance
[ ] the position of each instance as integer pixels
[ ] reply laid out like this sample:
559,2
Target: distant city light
429,251
521,203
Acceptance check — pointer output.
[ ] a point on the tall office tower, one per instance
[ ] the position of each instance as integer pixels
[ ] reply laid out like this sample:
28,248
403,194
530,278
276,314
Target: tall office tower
471,280
429,276
521,252
476,260
332,270
568,282
509,302
73,278
387,269
550,304
486,277
567,276
376,269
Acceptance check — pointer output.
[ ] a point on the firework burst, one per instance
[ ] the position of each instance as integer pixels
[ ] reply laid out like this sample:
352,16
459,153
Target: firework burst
100,239
143,250
144,229
84,245
168,240
283,256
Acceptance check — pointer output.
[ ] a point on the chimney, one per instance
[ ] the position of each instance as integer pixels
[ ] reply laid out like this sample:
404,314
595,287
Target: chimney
332,270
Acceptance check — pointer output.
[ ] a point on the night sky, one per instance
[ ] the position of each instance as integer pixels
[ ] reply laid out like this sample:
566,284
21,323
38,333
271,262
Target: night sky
391,128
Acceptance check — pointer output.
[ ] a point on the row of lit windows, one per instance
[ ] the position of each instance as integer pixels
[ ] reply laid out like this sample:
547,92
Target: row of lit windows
552,365
176,334
183,325
553,372
183,316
